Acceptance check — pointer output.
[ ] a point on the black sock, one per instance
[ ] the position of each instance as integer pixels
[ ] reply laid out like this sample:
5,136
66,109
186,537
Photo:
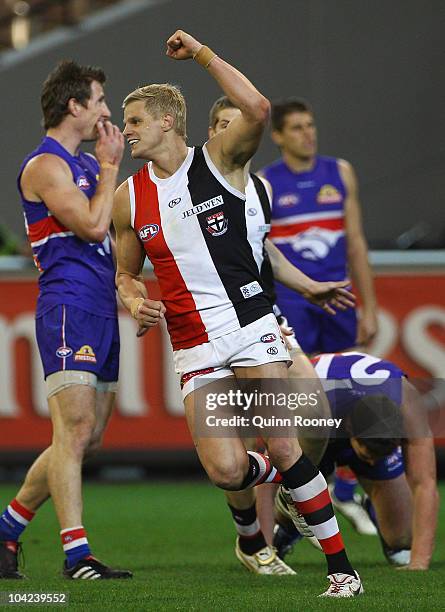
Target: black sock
251,538
300,473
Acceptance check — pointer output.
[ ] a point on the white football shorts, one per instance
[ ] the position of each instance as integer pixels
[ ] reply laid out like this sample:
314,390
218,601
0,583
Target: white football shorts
255,344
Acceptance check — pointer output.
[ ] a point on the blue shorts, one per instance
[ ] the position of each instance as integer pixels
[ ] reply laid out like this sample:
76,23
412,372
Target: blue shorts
316,330
72,339
391,466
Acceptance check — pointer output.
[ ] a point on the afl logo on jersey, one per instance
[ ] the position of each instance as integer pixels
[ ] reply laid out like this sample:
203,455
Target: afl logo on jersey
83,183
63,352
268,338
329,194
252,211
217,224
148,232
288,199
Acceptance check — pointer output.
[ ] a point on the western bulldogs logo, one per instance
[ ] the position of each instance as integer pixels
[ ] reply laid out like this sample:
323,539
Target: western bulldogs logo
174,202
316,242
63,352
272,350
83,183
268,338
148,232
217,224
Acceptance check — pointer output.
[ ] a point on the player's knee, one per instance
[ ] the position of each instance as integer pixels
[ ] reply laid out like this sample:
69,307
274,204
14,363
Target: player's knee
82,442
75,433
283,452
94,445
228,475
396,546
398,541
83,432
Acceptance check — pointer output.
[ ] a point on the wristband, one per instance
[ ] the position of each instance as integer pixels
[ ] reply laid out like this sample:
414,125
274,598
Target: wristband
204,56
109,165
135,305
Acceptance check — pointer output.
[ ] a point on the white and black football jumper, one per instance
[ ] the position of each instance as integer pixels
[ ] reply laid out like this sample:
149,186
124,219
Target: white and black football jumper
193,229
258,218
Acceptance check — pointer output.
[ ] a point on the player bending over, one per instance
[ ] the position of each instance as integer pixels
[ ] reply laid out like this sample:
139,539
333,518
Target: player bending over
386,440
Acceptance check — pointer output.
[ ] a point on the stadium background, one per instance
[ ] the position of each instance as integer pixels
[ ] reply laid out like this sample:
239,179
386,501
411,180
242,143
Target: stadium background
373,75
373,72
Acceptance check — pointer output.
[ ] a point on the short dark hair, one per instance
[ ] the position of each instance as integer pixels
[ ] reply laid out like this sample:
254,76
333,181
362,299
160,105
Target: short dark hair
282,108
219,105
376,422
379,448
67,80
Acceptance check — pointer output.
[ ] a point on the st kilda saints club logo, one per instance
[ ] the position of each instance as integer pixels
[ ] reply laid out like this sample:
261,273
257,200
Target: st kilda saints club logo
217,224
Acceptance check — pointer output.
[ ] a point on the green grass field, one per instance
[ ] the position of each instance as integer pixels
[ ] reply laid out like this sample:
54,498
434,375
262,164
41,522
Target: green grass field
178,540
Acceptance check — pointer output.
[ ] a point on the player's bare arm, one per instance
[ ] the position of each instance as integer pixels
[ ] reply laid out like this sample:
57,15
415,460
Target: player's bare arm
328,295
231,149
48,178
358,256
337,296
419,455
130,259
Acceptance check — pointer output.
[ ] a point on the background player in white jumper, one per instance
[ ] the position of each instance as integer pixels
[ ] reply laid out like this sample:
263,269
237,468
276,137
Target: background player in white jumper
185,209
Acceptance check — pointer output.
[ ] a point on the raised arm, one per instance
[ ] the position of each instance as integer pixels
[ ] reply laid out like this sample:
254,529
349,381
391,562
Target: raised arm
234,146
48,178
358,257
420,460
130,258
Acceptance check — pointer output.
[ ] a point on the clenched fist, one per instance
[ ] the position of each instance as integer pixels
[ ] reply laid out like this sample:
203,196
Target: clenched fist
182,46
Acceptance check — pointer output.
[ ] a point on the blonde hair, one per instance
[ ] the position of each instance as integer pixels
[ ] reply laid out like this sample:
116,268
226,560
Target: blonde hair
162,99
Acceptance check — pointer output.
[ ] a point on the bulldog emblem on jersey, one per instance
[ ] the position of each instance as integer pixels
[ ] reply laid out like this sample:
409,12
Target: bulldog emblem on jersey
83,183
316,242
329,194
217,224
64,351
